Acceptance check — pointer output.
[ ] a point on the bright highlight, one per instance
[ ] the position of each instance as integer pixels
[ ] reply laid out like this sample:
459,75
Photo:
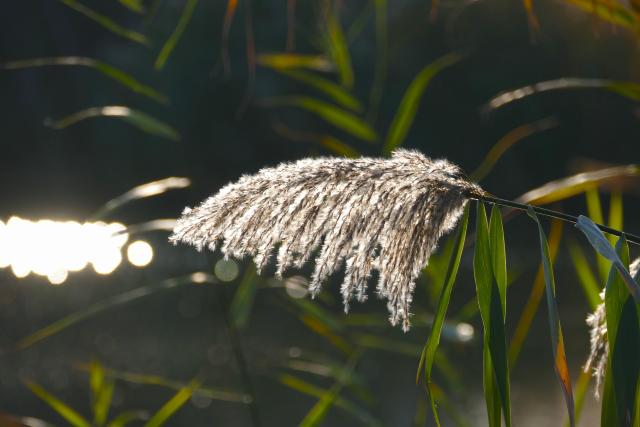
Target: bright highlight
140,253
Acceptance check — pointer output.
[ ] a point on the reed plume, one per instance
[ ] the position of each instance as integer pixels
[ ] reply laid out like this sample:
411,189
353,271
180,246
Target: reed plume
597,321
370,213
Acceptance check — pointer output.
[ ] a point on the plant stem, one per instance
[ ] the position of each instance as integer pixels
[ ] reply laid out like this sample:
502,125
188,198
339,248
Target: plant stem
552,214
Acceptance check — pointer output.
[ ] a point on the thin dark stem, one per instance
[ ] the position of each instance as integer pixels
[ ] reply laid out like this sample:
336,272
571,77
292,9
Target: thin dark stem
552,214
236,345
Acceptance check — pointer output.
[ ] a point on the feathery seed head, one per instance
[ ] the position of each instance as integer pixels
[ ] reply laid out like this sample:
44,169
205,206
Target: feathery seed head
372,214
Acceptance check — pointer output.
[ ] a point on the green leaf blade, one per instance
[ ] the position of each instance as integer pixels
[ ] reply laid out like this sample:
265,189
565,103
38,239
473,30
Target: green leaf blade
64,410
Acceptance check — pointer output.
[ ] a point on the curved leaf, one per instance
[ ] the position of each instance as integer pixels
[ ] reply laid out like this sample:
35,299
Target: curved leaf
176,402
61,408
110,71
142,121
408,107
283,61
339,50
173,39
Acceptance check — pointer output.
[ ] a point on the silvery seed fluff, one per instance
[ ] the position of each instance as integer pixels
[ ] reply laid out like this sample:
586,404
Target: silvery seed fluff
371,213
597,321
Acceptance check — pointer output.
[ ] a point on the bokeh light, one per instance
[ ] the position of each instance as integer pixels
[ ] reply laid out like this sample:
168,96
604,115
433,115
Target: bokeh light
52,249
140,253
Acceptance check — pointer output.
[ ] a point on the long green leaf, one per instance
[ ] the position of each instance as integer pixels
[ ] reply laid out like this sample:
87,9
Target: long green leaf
339,118
326,86
110,303
489,255
408,107
64,410
604,248
242,302
106,22
623,336
171,407
175,36
101,392
429,352
128,417
142,121
594,210
557,340
339,50
294,61
133,5
110,71
586,276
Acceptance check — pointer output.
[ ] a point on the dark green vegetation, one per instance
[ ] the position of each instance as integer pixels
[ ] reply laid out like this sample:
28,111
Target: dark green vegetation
133,91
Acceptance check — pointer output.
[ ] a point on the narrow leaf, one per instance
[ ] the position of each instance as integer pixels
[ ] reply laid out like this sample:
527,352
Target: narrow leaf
142,121
294,61
133,5
65,411
106,22
128,417
429,352
339,50
557,340
171,407
403,120
242,303
587,278
344,120
604,248
110,71
173,39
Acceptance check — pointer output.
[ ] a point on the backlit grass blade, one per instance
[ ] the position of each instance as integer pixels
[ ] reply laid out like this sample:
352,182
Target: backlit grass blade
629,90
332,144
101,392
139,119
61,408
623,333
577,184
242,303
339,50
604,248
489,256
326,86
175,36
610,11
295,61
594,210
582,388
429,352
128,417
173,405
133,5
110,71
110,303
535,296
106,22
557,340
302,386
616,213
341,119
406,113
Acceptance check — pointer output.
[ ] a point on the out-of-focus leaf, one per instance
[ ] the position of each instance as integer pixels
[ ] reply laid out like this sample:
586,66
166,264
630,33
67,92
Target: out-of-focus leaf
557,340
330,143
585,274
342,119
128,417
133,5
609,11
629,90
623,337
339,50
582,387
101,392
149,189
161,224
106,22
594,210
454,414
509,140
64,410
173,39
326,86
282,61
348,406
242,302
142,121
429,352
406,113
616,213
533,302
110,71
171,407
604,248
532,18
576,184
109,303
489,256
232,5
147,379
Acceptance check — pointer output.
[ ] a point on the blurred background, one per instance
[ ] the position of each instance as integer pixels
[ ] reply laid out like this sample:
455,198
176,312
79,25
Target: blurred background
115,115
